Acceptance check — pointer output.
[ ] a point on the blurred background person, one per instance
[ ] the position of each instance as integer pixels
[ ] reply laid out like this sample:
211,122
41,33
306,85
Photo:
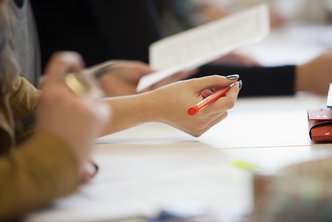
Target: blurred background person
105,30
282,11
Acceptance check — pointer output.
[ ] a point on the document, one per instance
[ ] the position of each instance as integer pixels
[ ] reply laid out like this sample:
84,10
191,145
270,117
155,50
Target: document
203,44
329,97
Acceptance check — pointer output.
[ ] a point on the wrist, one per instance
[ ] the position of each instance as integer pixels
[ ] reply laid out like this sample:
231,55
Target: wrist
301,78
129,111
154,106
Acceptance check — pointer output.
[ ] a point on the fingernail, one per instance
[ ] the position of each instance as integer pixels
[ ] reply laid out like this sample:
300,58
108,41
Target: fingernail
233,77
240,84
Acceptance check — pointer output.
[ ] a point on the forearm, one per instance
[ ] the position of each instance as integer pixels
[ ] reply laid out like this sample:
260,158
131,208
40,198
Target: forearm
258,81
36,173
129,111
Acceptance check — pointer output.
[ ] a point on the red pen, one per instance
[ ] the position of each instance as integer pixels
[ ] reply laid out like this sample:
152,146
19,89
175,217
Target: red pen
208,100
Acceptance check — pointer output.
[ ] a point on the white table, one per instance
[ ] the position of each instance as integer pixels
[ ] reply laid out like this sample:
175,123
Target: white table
152,165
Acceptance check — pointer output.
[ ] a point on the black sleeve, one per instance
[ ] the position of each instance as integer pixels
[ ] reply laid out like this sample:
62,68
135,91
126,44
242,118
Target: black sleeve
257,81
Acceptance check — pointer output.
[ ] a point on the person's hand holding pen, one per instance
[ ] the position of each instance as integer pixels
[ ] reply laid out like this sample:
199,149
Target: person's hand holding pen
169,104
199,90
75,119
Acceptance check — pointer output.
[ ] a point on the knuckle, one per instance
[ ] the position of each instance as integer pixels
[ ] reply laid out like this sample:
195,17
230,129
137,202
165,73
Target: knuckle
196,133
200,128
64,57
229,104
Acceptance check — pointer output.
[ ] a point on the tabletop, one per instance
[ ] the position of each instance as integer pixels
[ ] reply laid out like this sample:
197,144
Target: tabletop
148,167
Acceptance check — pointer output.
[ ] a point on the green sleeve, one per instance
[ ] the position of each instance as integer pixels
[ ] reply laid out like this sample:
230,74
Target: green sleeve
39,171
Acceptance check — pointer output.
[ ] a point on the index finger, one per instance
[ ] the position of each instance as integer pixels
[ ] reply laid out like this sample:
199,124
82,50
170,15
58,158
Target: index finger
228,101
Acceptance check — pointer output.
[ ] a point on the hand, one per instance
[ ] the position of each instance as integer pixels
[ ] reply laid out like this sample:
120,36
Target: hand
276,19
237,59
208,11
123,78
315,75
75,120
169,105
172,102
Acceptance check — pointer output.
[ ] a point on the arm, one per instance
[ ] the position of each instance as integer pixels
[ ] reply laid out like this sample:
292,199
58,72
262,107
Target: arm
315,75
40,170
169,105
50,163
312,76
259,81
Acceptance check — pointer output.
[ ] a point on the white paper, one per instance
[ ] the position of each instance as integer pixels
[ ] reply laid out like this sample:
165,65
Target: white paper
197,46
329,97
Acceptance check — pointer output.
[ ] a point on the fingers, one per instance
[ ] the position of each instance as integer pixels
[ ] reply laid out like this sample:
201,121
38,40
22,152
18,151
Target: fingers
234,91
140,67
62,63
143,68
224,103
207,123
90,169
114,86
217,118
237,59
215,112
207,92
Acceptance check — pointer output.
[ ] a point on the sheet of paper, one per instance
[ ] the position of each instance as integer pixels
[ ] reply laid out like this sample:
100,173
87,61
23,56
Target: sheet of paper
329,97
200,45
